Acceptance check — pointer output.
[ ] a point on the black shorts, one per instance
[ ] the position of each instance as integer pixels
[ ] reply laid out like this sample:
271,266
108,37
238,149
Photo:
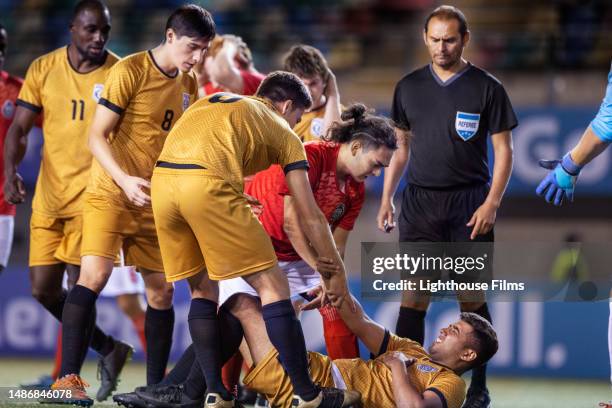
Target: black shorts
440,215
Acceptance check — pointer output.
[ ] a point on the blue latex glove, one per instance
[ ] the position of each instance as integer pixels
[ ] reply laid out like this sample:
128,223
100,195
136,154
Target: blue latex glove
561,181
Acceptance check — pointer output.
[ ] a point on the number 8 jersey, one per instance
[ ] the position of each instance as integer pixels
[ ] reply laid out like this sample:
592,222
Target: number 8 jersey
149,102
67,99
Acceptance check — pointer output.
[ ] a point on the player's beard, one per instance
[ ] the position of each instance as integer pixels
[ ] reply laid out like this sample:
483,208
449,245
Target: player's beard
94,57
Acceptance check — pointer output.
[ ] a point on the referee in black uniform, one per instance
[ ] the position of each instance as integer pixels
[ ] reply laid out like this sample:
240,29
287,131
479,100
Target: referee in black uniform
446,111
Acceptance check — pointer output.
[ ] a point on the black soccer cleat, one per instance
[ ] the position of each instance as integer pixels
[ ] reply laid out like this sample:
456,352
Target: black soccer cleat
477,398
129,400
329,398
167,396
109,368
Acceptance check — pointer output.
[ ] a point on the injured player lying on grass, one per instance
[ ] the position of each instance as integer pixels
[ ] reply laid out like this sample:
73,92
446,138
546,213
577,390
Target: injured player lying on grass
402,374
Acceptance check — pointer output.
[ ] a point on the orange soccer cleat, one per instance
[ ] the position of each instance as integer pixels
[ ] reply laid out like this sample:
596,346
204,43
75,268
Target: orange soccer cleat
70,390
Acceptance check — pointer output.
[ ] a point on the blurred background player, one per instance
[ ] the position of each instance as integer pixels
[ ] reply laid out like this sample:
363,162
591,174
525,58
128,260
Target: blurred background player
200,210
311,67
560,182
9,89
63,86
126,136
228,67
447,110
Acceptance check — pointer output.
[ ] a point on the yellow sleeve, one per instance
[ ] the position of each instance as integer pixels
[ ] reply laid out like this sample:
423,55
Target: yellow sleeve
291,150
30,94
120,85
411,347
450,388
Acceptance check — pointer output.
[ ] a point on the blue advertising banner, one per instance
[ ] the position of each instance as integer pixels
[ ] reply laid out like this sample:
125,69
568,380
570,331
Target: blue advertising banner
536,339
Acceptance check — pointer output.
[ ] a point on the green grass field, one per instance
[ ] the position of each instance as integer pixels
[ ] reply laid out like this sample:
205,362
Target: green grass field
507,392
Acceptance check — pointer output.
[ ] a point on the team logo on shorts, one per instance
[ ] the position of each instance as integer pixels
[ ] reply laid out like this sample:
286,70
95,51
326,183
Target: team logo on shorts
97,92
316,127
8,109
338,213
466,124
426,368
185,100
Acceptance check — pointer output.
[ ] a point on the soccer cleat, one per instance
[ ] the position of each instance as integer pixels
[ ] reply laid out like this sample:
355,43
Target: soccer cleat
214,400
129,400
43,382
73,392
477,398
167,396
329,398
109,368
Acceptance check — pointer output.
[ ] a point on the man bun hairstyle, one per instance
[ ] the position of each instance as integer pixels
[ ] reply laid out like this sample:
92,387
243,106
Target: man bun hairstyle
193,21
280,86
359,123
483,339
449,13
307,62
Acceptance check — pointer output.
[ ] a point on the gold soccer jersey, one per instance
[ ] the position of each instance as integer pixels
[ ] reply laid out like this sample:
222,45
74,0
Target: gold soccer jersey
67,100
232,137
311,125
149,102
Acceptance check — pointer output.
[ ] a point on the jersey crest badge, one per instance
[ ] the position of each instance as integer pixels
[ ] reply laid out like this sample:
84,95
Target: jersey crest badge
8,109
316,127
466,124
426,368
185,101
337,214
97,92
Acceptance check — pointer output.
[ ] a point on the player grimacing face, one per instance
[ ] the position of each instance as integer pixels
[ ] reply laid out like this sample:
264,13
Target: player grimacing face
367,162
3,46
89,33
444,42
316,86
186,51
451,343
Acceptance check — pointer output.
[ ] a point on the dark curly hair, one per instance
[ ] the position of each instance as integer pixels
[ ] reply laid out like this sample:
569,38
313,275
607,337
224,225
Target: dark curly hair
483,338
359,123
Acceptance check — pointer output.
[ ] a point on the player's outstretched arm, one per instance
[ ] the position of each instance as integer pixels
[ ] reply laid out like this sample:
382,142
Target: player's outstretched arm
223,70
295,233
404,393
103,123
386,213
318,233
15,146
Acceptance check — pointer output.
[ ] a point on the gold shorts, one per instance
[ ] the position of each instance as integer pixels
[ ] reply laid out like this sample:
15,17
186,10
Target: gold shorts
203,222
270,378
109,227
55,240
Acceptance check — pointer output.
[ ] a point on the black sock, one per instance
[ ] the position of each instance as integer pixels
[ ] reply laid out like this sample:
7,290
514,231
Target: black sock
75,322
159,325
411,324
231,337
479,374
285,332
180,371
204,329
100,342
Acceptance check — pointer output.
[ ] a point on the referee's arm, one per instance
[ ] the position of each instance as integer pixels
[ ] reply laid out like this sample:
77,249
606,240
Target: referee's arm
483,218
386,213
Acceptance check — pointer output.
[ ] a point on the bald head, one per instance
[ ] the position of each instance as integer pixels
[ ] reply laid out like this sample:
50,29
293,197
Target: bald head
96,6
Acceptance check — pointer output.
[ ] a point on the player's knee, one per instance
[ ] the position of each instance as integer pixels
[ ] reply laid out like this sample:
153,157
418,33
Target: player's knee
160,296
44,297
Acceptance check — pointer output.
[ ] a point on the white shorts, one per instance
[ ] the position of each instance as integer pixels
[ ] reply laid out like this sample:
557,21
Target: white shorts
7,224
300,275
124,280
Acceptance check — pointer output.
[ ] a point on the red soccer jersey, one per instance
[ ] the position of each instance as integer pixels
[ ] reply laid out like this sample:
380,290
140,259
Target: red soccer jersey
9,89
250,80
340,208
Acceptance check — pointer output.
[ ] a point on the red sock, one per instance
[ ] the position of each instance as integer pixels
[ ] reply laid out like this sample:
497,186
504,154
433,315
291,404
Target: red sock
230,373
57,365
139,326
339,340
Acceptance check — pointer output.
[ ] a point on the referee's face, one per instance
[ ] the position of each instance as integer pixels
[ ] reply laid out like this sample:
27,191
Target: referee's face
444,42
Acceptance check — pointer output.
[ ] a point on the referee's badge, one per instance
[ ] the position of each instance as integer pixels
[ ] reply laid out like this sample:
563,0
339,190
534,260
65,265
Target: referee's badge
186,98
466,124
97,92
